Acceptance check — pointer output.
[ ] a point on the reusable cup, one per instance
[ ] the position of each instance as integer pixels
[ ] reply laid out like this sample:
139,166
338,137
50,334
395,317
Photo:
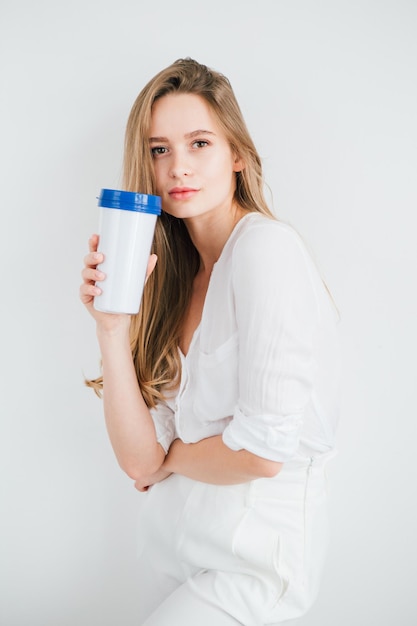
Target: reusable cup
127,224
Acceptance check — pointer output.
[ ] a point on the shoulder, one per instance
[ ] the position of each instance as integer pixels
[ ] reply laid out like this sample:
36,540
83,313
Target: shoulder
264,238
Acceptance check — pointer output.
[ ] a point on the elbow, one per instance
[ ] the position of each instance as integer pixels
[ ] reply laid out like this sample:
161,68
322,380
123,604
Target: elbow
142,463
139,470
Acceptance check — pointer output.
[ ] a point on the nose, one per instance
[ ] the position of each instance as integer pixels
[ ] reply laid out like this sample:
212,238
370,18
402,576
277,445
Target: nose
179,165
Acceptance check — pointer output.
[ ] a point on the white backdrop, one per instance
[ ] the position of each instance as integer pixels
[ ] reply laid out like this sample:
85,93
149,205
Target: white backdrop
329,92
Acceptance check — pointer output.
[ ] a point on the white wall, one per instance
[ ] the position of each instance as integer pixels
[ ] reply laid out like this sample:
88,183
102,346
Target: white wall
329,92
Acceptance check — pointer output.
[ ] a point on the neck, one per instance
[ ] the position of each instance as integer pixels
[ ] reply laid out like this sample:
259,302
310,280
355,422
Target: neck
209,234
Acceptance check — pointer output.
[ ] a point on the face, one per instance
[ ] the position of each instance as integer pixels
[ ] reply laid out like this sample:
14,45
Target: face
194,164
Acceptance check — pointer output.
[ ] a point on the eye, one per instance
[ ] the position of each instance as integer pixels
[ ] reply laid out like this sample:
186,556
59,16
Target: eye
200,143
158,150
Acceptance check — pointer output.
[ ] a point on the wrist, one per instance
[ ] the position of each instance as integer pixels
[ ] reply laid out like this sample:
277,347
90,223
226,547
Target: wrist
113,325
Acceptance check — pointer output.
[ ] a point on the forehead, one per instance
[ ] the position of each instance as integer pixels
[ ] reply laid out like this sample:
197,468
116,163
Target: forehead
182,113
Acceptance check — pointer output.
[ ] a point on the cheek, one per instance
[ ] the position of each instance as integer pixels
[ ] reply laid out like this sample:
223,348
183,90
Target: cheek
158,173
220,170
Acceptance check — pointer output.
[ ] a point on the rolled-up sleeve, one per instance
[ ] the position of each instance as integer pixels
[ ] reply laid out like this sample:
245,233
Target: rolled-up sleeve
164,422
277,315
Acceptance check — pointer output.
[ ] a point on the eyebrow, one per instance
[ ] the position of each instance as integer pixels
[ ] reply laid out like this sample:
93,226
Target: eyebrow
194,133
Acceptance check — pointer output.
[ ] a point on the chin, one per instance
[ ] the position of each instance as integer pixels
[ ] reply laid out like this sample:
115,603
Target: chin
181,212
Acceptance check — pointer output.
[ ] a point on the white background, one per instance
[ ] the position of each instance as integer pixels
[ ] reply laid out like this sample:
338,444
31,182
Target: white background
329,92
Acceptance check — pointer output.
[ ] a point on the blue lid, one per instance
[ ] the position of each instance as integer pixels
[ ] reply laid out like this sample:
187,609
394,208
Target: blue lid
130,201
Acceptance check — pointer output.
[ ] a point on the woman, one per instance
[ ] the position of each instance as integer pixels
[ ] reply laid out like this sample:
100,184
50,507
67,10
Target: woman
220,396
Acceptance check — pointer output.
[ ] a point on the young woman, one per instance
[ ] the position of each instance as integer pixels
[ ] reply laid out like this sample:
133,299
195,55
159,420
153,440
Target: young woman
221,395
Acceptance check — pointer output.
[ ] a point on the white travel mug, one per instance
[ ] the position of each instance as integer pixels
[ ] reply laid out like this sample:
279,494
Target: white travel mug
127,225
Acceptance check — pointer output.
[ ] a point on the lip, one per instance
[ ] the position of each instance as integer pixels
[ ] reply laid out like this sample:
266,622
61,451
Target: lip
182,193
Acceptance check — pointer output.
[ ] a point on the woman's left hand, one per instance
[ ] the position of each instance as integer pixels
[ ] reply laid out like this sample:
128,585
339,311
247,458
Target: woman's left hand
144,483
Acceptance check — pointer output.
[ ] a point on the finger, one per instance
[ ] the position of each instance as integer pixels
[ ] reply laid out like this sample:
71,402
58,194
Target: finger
151,265
91,274
140,487
92,259
88,292
93,243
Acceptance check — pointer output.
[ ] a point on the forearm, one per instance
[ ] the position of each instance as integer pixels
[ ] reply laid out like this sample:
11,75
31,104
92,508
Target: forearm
211,461
128,420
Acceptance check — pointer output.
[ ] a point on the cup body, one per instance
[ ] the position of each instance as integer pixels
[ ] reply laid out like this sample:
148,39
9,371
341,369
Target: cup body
127,224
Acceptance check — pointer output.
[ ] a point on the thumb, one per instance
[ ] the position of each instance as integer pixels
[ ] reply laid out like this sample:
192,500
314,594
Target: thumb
151,265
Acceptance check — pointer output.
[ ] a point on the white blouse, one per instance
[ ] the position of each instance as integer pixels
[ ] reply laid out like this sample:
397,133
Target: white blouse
263,365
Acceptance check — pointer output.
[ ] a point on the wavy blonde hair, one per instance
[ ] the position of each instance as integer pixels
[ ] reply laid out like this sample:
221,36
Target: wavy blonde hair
155,330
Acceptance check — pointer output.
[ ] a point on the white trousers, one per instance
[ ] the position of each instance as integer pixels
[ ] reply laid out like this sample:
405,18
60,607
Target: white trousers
249,554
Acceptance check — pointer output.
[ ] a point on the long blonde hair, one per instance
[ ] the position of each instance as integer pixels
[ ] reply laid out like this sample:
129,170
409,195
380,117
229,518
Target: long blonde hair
155,330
